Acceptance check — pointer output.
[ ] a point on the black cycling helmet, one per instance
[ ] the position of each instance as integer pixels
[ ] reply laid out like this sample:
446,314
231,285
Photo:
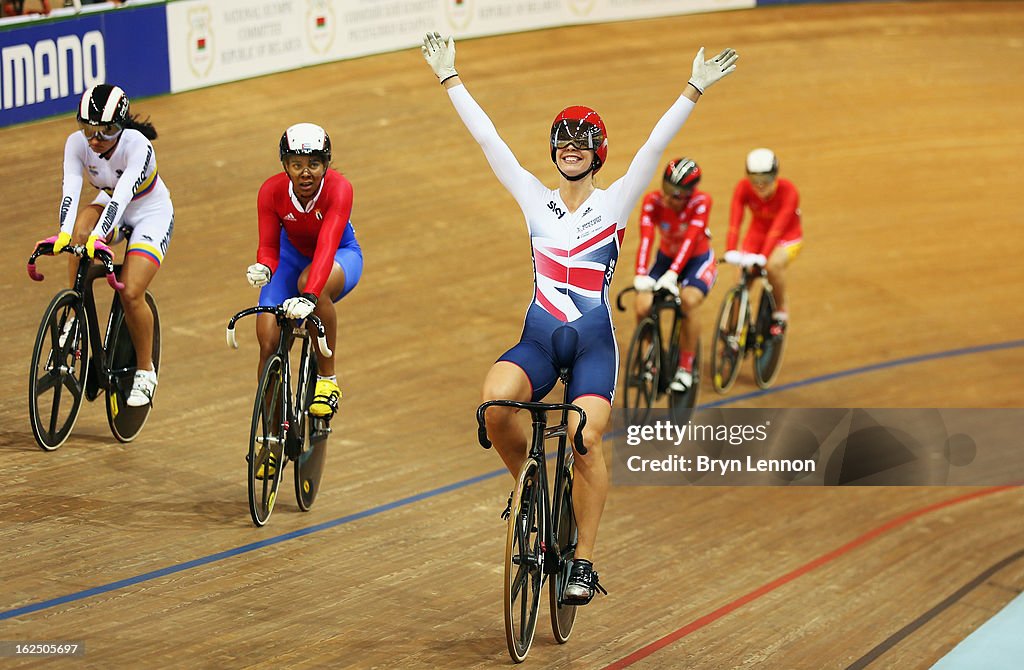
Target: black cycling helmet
103,105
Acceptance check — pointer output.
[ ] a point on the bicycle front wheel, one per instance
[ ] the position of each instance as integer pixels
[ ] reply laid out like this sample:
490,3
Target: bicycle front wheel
681,405
524,562
266,441
643,371
309,464
60,359
768,348
126,422
728,346
566,535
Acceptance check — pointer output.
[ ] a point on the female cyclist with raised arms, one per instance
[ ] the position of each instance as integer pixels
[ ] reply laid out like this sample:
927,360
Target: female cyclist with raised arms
575,230
113,147
308,258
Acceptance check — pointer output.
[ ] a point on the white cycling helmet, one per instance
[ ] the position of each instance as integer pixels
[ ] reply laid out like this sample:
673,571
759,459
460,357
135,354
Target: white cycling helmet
305,139
762,161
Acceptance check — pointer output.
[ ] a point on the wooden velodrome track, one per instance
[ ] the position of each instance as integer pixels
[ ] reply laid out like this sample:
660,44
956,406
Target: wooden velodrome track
899,123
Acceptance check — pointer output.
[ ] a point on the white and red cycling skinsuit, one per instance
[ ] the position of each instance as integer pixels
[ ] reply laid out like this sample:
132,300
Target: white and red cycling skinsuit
574,253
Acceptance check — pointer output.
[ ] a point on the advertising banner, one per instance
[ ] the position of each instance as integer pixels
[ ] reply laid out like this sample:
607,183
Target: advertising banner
216,41
44,67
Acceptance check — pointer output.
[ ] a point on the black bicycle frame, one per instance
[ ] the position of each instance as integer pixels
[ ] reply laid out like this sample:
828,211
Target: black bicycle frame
541,432
663,300
98,372
289,332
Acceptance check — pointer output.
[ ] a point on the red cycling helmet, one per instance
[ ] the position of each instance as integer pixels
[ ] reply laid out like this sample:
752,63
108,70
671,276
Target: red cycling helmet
583,128
682,173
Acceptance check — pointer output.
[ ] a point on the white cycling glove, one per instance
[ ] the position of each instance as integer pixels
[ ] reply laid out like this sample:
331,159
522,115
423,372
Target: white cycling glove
670,281
705,73
298,307
258,275
643,283
440,56
750,260
733,257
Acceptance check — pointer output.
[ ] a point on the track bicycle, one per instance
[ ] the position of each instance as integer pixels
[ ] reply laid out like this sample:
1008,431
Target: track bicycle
542,534
281,419
65,369
653,359
738,333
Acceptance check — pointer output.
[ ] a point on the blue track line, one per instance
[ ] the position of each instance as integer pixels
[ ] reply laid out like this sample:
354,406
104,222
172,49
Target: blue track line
910,360
402,502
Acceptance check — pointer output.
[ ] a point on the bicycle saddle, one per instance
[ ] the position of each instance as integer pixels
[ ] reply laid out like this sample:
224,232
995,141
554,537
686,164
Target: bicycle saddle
563,342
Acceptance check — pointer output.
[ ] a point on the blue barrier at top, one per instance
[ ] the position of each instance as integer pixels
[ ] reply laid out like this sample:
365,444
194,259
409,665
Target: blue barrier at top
45,67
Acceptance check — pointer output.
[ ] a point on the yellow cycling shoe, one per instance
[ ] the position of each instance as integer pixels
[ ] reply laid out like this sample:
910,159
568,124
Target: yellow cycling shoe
267,469
325,398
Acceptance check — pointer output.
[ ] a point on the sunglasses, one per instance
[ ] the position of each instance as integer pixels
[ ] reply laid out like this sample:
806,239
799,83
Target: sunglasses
108,131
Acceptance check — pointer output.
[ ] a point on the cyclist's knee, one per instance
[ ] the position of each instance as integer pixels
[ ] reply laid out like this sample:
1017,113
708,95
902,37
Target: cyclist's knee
592,440
777,263
499,417
506,381
691,300
132,294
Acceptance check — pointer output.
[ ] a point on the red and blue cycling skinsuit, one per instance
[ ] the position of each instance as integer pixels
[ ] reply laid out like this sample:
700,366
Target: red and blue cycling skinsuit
574,254
685,240
293,237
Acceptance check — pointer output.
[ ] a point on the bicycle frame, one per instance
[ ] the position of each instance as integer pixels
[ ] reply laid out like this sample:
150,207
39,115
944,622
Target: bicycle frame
101,377
741,329
540,434
293,409
749,276
663,300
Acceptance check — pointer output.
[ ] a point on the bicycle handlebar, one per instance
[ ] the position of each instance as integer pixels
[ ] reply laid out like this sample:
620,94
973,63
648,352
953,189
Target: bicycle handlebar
103,254
321,335
751,270
534,408
661,292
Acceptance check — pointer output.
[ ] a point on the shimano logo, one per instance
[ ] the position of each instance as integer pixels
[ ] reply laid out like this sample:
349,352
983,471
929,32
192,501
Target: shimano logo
51,69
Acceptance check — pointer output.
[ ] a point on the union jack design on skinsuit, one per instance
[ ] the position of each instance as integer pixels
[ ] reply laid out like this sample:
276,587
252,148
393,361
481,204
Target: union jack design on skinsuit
573,271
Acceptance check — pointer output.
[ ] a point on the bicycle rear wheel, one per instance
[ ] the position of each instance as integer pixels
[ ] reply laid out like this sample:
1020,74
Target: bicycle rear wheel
681,405
643,371
266,441
126,422
60,360
768,348
524,562
728,346
565,532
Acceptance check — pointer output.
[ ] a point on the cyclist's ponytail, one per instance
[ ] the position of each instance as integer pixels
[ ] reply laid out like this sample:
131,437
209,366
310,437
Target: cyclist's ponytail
144,127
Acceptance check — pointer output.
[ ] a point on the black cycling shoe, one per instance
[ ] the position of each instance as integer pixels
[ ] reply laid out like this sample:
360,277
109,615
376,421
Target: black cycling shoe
583,584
